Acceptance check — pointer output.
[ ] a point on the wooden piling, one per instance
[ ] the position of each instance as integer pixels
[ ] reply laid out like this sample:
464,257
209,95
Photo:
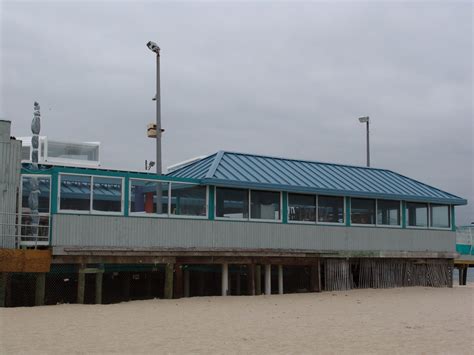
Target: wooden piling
169,271
315,278
238,282
464,275
178,285
251,279
126,285
40,288
81,286
98,286
258,280
3,288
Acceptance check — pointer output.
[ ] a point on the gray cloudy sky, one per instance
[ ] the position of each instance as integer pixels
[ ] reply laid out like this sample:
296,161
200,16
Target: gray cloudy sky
287,79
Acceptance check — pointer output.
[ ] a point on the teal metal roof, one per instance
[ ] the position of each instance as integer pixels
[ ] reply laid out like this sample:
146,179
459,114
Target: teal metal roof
264,172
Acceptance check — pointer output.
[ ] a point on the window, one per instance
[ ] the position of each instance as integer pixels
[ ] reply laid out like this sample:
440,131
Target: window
388,212
107,194
362,211
232,203
44,186
302,207
188,200
75,192
330,209
143,196
417,214
440,217
265,205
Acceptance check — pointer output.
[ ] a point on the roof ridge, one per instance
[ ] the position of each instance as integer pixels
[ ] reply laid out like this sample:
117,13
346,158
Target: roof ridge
215,164
305,160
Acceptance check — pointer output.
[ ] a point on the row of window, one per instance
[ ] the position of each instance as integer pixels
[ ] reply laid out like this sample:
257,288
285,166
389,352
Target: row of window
91,194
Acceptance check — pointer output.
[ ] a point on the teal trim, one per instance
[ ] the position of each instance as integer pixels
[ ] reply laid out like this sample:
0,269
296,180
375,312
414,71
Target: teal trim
404,214
347,214
453,219
463,249
54,192
212,206
284,207
126,197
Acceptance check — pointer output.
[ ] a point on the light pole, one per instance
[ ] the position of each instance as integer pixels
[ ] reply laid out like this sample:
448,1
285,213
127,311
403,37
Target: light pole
366,120
155,49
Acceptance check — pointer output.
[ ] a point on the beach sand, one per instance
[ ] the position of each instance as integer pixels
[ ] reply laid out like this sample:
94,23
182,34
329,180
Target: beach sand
405,320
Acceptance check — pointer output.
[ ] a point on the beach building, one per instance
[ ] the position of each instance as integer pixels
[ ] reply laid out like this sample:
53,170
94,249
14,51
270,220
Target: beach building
225,224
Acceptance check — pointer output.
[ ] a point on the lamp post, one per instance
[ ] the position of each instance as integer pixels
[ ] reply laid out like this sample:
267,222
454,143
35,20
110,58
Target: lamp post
155,49
366,120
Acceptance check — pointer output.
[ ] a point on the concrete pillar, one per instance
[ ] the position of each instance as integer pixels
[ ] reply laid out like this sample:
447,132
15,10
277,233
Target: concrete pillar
251,279
40,289
280,279
268,279
258,280
225,279
169,274
186,283
315,278
81,286
98,286
3,288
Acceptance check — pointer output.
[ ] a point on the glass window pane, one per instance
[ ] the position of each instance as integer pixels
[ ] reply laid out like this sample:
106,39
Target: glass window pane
75,192
265,205
43,197
302,207
143,196
232,203
107,194
417,214
440,217
388,212
331,209
362,211
188,200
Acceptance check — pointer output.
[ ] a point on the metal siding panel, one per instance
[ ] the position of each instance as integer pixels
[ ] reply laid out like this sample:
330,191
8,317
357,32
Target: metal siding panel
104,231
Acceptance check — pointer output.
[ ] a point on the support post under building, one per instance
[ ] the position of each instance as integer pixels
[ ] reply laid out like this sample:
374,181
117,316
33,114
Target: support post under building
169,274
225,279
280,279
40,289
268,279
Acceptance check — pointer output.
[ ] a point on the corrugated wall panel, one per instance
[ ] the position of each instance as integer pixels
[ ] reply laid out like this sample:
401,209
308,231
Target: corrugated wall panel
10,155
104,231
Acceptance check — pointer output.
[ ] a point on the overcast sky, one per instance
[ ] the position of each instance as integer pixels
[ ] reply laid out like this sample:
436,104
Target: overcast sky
271,78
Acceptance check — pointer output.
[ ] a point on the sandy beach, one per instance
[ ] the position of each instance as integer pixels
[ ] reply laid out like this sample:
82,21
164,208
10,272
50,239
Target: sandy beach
408,320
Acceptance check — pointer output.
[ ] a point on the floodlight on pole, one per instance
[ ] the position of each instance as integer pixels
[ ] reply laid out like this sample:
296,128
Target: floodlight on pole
366,120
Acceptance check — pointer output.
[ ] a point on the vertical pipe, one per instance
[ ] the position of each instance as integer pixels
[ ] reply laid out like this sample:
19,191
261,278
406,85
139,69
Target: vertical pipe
158,115
268,279
225,279
186,283
280,279
368,145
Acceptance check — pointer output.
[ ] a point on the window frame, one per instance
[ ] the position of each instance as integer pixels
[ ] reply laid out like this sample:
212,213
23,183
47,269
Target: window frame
370,225
91,211
407,217
344,217
288,209
170,215
430,217
148,215
399,225
231,219
280,220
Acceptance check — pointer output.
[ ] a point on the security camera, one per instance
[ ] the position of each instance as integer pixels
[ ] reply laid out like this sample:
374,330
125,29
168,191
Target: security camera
153,47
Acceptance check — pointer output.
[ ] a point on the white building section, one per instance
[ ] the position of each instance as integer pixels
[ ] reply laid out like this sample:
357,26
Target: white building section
56,152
